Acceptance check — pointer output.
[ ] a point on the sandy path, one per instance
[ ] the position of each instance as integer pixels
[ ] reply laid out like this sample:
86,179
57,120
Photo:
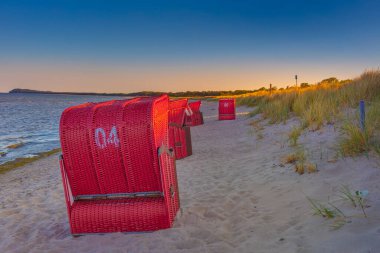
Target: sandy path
234,198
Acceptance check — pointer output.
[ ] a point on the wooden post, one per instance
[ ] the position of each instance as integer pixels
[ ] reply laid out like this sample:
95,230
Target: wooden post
362,114
270,89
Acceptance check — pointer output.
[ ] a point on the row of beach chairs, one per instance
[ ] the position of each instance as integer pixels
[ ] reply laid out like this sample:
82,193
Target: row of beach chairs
118,161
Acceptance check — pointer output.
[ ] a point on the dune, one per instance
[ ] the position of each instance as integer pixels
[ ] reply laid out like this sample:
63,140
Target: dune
237,195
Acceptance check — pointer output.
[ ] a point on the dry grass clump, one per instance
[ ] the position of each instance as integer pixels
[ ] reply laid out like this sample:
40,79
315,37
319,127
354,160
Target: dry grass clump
295,157
301,165
317,104
299,168
311,168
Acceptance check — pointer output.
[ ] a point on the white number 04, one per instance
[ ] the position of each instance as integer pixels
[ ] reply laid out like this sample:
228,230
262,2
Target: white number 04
101,139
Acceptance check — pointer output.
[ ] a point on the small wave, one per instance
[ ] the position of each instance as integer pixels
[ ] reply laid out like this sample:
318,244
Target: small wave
30,156
12,137
43,140
15,145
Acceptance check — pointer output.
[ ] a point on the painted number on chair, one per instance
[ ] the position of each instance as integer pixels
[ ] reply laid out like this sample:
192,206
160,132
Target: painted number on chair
101,138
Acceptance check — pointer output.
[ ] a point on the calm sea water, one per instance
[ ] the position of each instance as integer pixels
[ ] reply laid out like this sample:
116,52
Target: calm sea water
32,121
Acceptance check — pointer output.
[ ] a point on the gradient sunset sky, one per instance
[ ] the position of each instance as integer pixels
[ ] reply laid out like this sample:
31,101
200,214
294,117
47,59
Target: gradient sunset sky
126,46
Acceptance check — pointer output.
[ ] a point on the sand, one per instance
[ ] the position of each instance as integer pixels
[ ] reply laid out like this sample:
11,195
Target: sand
236,196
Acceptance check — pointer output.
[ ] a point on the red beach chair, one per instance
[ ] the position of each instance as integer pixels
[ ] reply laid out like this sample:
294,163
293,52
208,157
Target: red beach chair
179,135
227,110
117,166
194,116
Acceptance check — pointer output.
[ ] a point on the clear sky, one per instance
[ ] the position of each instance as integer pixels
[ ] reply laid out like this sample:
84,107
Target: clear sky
125,46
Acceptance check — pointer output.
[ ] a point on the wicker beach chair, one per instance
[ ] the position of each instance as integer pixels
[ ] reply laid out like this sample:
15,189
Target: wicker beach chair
179,135
194,117
117,167
227,109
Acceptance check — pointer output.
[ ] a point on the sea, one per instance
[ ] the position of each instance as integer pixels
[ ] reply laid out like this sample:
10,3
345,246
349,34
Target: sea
29,123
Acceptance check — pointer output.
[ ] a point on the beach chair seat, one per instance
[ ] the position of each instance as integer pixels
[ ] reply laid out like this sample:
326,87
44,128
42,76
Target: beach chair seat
118,167
179,135
119,215
227,109
194,116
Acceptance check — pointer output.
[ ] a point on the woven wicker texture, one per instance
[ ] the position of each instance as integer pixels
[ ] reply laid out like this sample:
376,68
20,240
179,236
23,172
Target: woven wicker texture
227,110
196,117
179,136
111,148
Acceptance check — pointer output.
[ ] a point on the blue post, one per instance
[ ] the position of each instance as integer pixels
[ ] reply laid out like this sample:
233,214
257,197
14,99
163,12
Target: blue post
362,114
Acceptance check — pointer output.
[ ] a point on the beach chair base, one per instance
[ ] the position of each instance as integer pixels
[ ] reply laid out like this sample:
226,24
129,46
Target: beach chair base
227,116
182,142
123,215
195,119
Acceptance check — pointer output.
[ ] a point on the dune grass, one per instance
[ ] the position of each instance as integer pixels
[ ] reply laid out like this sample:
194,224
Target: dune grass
324,210
357,199
329,211
325,103
317,104
22,161
293,135
356,140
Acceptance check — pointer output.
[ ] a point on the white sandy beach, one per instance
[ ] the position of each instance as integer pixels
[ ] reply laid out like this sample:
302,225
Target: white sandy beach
235,195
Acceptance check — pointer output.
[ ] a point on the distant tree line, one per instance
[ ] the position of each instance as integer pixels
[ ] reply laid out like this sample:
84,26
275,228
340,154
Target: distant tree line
144,93
328,81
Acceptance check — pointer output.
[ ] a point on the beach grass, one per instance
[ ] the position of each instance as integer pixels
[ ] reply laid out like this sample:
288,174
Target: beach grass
322,209
357,140
293,135
325,103
316,104
18,162
356,198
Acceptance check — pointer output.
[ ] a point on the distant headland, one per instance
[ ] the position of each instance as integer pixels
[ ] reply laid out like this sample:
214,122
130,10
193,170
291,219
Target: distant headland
142,93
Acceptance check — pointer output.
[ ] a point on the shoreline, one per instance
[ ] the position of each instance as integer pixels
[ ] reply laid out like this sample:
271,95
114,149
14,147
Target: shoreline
21,161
